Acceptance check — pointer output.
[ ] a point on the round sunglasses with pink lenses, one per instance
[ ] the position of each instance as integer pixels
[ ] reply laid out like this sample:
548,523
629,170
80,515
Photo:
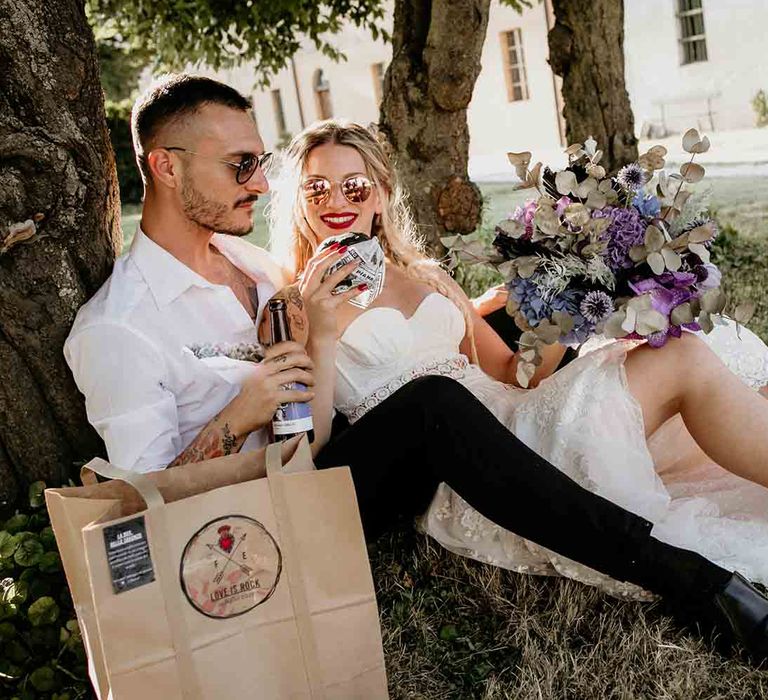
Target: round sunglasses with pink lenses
356,189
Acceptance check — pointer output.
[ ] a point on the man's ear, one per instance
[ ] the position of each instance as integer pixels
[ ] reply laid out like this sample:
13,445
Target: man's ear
163,167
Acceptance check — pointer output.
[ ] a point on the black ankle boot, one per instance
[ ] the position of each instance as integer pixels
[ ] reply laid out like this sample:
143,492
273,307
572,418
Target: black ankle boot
742,614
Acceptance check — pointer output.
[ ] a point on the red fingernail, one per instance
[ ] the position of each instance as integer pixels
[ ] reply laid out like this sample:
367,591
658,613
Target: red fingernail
343,249
333,246
362,287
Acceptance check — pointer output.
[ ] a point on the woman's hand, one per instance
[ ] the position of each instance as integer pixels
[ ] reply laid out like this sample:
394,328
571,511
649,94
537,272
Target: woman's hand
491,300
317,294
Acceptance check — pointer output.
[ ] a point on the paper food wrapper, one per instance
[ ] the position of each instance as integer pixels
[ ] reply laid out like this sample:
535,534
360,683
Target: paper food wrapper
370,271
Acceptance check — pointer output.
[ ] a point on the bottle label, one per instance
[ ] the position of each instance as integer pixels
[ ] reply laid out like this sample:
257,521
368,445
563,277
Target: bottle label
291,418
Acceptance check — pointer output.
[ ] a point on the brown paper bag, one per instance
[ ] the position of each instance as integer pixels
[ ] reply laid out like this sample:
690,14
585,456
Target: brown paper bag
224,585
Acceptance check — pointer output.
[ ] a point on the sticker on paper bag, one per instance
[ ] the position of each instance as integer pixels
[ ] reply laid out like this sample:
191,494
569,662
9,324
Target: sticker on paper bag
130,564
229,566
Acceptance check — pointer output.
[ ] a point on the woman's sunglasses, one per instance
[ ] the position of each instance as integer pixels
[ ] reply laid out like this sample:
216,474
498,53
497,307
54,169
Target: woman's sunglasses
356,189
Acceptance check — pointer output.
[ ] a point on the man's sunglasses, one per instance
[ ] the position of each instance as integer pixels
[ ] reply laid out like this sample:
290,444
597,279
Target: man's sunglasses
356,189
244,170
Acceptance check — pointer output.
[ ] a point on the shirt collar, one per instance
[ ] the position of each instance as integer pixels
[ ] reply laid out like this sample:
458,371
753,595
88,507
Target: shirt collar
166,276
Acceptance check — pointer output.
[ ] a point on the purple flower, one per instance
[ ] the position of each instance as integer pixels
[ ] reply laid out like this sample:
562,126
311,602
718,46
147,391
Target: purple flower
631,177
713,278
561,205
596,306
524,215
626,230
648,206
667,291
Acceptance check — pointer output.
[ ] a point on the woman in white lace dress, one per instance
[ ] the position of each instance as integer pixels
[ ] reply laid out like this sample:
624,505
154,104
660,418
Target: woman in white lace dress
612,419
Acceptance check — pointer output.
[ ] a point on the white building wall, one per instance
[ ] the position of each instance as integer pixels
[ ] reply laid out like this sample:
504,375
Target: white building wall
498,125
737,67
664,90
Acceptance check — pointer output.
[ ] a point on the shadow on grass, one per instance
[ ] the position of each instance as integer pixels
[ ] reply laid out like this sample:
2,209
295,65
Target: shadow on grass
455,628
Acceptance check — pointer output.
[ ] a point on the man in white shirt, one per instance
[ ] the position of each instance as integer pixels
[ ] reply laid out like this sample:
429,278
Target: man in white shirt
152,400
189,280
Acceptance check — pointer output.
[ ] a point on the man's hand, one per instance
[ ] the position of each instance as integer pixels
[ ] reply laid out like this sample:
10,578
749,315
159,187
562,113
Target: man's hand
254,406
264,391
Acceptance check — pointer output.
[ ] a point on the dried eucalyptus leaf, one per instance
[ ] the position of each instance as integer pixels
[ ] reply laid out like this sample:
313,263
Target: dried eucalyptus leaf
510,227
656,262
534,176
744,312
702,146
671,259
520,161
597,200
654,238
651,321
576,214
638,253
682,314
614,327
575,149
713,301
630,319
705,322
590,145
585,187
692,172
596,171
690,139
565,182
528,355
564,321
524,373
528,339
700,250
527,265
700,234
547,332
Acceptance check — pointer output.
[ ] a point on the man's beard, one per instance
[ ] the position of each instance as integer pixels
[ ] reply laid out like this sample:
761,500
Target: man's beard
208,213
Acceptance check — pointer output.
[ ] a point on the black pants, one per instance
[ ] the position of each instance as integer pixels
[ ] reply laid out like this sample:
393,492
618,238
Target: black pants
433,430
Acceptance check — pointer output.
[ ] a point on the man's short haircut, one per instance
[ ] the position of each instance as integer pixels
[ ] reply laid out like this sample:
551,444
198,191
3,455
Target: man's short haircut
174,97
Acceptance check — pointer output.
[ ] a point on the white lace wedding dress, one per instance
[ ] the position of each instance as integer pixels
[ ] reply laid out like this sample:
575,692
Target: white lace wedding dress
584,421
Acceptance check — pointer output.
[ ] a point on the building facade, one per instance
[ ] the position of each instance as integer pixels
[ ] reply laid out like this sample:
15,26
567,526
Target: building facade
687,63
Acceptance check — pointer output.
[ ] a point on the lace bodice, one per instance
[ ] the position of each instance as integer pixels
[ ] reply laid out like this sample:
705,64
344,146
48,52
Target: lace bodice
382,349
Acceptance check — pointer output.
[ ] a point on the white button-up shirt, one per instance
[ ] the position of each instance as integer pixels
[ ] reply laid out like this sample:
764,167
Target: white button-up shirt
146,392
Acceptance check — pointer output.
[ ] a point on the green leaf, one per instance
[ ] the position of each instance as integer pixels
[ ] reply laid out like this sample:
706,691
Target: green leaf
43,679
9,671
448,633
16,593
48,539
29,552
16,523
7,631
36,498
43,611
50,562
7,610
16,652
8,544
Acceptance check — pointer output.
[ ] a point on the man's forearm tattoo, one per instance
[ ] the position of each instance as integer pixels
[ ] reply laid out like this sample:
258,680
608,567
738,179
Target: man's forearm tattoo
213,441
228,440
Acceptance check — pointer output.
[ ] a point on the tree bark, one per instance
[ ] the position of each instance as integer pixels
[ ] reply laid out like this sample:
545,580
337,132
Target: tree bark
437,46
586,48
59,232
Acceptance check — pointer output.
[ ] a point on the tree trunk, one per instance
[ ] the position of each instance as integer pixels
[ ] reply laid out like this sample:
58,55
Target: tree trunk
586,48
437,46
59,231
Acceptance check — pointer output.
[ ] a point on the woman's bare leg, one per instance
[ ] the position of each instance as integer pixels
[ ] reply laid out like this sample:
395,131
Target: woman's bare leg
728,420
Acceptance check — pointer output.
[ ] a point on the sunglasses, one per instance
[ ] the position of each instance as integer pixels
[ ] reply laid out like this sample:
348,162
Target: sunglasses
356,189
244,170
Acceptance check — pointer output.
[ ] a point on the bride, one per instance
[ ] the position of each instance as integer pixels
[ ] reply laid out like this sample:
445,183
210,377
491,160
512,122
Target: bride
671,434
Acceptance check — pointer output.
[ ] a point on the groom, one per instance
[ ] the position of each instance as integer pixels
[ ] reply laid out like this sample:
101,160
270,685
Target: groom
190,283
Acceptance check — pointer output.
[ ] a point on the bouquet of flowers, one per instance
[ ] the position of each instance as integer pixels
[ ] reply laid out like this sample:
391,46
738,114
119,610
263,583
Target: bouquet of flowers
625,256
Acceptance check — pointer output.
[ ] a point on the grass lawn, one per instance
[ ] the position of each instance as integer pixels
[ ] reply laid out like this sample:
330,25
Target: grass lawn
454,628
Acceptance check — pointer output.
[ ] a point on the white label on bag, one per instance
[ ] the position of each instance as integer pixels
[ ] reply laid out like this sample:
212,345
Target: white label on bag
229,566
128,557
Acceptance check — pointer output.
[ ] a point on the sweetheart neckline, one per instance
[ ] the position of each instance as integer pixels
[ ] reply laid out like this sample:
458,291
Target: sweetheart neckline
389,308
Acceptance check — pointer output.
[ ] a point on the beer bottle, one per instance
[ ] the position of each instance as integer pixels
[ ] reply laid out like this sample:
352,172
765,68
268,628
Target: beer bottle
290,418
